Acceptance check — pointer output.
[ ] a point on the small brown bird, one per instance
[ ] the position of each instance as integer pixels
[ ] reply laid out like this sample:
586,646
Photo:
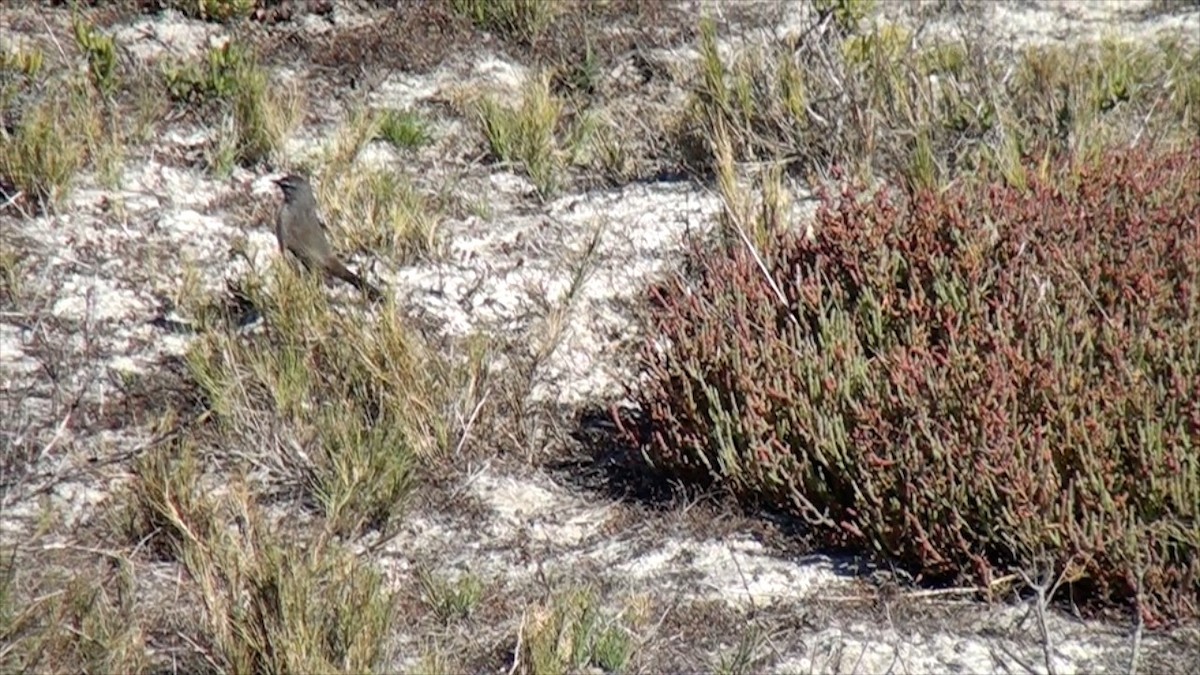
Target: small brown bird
301,232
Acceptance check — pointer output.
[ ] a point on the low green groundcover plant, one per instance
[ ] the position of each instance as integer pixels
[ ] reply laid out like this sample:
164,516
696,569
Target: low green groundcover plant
992,378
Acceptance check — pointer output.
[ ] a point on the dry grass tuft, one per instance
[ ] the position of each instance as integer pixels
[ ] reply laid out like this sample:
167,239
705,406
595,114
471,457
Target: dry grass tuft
270,604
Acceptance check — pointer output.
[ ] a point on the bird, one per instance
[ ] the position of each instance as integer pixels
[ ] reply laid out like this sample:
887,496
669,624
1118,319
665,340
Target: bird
301,232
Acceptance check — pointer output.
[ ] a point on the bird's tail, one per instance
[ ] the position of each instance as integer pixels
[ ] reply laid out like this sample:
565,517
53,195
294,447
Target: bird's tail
340,271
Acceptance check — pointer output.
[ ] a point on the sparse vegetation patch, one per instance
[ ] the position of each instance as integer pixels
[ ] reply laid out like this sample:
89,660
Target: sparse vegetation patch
975,366
879,102
256,116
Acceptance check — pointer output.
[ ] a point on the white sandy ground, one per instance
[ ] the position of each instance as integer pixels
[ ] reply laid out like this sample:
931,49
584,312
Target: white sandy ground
105,277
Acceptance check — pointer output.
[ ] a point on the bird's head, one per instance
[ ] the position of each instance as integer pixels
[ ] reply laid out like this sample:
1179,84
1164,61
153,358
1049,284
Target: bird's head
293,185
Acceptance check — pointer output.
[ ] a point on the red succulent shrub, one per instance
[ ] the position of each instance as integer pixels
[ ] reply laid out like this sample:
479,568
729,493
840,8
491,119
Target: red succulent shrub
965,382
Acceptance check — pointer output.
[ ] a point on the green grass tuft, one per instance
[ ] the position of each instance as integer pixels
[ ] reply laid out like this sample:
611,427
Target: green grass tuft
405,130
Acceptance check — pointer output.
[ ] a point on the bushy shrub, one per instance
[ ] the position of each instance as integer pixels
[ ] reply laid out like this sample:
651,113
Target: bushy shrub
966,382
